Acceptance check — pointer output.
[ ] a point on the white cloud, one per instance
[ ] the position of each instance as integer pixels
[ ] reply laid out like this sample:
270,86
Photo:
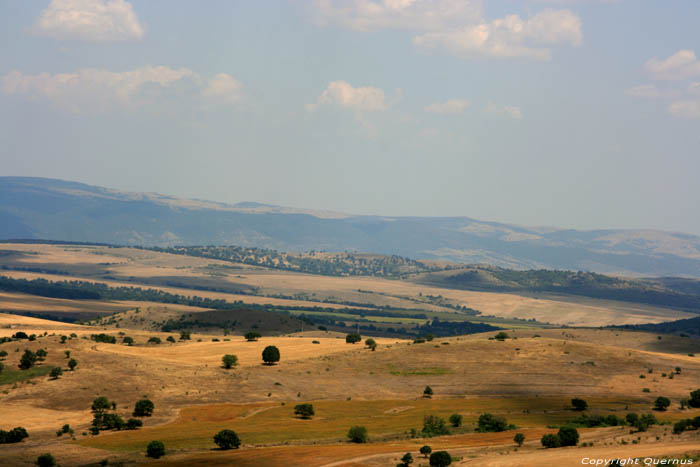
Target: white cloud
507,37
223,88
650,91
423,15
452,106
510,111
681,65
89,20
91,91
685,109
694,89
342,94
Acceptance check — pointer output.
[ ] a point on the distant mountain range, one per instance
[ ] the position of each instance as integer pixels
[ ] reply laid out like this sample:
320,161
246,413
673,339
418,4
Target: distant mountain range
41,208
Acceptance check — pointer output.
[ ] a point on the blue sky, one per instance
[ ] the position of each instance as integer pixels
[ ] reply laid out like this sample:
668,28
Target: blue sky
582,114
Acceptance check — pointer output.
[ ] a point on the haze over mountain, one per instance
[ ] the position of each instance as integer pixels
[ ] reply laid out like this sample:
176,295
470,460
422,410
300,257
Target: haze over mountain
40,208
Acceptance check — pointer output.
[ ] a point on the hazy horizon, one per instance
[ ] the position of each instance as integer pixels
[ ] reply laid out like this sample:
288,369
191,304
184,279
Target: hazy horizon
558,113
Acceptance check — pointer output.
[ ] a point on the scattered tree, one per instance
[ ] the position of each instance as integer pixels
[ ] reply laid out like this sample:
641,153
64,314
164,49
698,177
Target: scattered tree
3,353
271,355
154,340
143,408
519,439
304,410
56,372
27,360
15,435
406,460
661,403
428,392
41,355
353,338
133,424
371,344
550,441
426,450
128,340
357,434
72,363
155,449
456,420
568,436
579,404
67,352
227,439
170,339
440,459
185,336
488,422
501,336
694,400
434,426
229,360
252,336
45,460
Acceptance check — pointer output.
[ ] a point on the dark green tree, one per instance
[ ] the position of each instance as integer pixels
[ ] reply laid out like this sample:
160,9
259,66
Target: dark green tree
143,408
353,338
694,400
252,336
661,403
456,420
428,392
27,360
72,363
426,450
227,439
45,460
358,434
434,426
488,422
56,372
550,441
519,439
371,344
406,460
155,449
568,436
271,355
229,360
579,404
440,459
304,410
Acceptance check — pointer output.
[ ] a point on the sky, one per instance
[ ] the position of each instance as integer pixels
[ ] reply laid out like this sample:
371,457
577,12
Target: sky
577,114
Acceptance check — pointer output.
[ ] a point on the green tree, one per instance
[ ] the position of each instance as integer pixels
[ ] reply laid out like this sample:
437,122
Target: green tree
72,363
2,367
501,336
41,354
353,338
440,459
271,355
133,424
456,420
27,360
488,422
519,439
428,392
434,426
3,353
694,400
185,336
579,404
304,410
229,360
357,434
100,405
45,460
143,408
426,450
550,441
568,436
56,372
227,439
252,336
155,449
128,340
154,340
371,344
67,352
661,403
170,339
406,460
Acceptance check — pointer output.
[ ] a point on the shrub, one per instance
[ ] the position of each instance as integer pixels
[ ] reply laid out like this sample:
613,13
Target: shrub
568,436
488,422
434,426
252,336
72,363
27,360
133,424
155,449
440,459
357,434
353,338
128,340
271,355
456,420
185,336
154,340
229,360
56,372
15,435
170,339
106,338
661,403
227,439
304,410
550,441
143,408
45,460
41,354
579,404
501,336
428,392
519,439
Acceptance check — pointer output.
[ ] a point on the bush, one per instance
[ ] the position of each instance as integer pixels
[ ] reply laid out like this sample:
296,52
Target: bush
15,435
154,340
56,372
550,441
632,418
170,339
72,363
353,338
143,408
304,410
41,354
133,424
3,353
229,360
357,434
27,360
456,420
252,336
440,459
426,450
428,392
519,439
128,340
155,449
45,460
20,335
568,436
271,355
227,439
434,426
579,404
106,338
488,422
661,403
185,336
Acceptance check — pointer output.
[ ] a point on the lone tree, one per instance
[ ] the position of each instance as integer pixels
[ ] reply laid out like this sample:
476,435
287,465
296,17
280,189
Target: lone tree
440,459
371,344
227,439
304,411
45,460
488,422
357,434
56,372
501,336
550,441
27,360
143,408
579,404
155,449
694,400
229,360
72,363
662,403
568,436
406,460
252,336
426,450
271,355
67,352
428,392
353,338
519,439
456,420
